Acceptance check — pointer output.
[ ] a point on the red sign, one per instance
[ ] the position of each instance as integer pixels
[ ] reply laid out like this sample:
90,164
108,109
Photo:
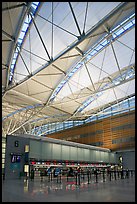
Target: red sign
33,162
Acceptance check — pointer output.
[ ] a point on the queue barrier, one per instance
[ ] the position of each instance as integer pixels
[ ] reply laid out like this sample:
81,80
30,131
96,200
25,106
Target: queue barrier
94,176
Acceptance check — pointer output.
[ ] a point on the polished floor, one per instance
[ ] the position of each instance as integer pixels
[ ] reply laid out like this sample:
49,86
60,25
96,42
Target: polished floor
37,190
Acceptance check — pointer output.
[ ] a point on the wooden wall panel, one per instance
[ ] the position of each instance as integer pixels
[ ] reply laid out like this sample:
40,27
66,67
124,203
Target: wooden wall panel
103,131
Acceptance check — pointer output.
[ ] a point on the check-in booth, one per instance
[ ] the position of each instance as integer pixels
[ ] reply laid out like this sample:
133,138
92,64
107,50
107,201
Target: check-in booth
26,152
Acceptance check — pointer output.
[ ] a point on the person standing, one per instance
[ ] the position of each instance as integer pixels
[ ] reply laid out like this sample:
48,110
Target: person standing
32,174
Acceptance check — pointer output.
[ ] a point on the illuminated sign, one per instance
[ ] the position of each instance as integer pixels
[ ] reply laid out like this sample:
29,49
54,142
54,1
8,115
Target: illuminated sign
16,143
33,162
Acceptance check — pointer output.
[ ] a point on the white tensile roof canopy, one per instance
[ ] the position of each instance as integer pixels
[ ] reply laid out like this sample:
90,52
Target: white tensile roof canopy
64,61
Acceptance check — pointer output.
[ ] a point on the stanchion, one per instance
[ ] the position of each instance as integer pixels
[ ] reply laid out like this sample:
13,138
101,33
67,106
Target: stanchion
118,174
78,178
115,175
41,178
122,174
90,174
88,177
83,176
49,177
60,177
103,176
110,175
127,173
96,177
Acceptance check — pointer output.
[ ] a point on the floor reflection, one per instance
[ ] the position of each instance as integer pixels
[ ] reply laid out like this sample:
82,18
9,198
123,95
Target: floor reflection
51,187
68,191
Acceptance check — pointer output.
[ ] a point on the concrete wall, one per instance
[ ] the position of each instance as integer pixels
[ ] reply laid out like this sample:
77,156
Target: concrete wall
12,170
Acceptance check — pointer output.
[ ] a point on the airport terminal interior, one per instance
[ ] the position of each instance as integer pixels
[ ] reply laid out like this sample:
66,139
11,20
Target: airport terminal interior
68,102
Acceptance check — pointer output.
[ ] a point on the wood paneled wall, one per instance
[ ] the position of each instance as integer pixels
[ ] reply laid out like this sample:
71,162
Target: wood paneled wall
115,132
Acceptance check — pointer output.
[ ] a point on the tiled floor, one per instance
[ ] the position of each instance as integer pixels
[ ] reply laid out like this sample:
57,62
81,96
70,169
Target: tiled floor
21,190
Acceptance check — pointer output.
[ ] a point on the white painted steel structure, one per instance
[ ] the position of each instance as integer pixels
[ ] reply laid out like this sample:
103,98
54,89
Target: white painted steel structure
74,60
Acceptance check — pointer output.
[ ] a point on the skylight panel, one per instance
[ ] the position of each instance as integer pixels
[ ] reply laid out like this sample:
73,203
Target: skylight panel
13,61
122,106
93,52
25,26
22,35
133,21
12,66
104,43
35,3
118,32
128,25
99,47
34,6
15,55
19,41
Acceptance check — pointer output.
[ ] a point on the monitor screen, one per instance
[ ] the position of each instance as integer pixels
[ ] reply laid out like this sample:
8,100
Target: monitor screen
15,158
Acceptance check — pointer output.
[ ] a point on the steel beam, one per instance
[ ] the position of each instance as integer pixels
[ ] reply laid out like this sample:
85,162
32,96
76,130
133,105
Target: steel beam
57,26
40,37
24,62
90,76
24,13
93,29
85,19
116,59
8,36
75,18
84,37
112,87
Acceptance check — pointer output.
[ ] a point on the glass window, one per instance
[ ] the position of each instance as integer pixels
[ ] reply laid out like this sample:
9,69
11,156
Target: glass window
100,116
3,139
3,145
3,150
132,102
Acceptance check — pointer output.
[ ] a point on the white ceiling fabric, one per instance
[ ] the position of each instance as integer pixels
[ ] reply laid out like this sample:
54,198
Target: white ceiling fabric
45,72
102,65
112,95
